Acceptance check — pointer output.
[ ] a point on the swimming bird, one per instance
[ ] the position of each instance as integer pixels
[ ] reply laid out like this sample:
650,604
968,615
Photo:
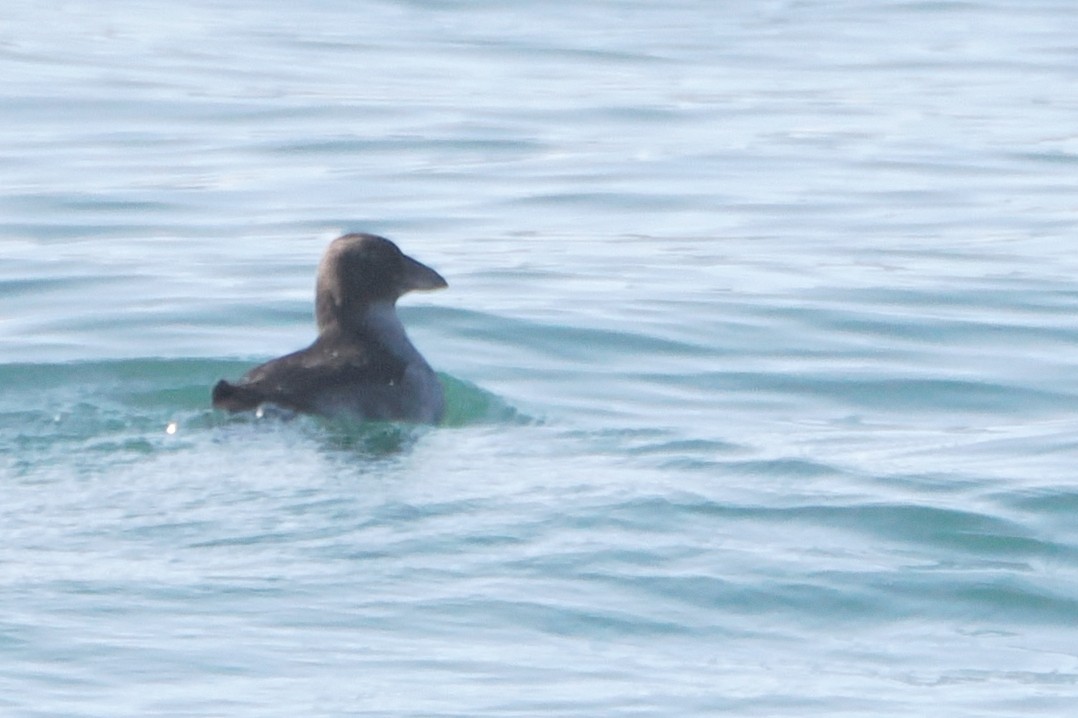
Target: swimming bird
362,365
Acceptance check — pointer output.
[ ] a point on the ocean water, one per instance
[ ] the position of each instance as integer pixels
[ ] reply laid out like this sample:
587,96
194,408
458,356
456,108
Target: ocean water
759,349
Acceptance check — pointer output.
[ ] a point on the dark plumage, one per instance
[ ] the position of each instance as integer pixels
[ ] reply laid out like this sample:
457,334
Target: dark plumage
362,364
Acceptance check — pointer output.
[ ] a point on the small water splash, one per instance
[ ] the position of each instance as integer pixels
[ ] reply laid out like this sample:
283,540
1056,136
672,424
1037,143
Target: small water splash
466,404
133,408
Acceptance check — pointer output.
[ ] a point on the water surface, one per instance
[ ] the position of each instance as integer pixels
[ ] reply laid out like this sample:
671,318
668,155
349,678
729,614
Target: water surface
758,351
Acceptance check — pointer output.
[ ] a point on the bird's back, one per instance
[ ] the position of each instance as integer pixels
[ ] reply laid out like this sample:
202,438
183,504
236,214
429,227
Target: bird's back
340,377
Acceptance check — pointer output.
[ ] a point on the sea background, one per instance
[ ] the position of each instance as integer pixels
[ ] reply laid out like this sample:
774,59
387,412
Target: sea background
760,348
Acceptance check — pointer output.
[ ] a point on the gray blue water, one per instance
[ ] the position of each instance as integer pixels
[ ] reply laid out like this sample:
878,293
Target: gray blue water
759,349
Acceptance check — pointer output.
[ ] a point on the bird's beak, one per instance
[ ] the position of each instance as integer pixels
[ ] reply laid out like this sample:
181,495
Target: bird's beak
420,277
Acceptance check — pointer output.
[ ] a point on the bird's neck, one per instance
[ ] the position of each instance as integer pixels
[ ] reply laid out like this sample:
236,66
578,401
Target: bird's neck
380,323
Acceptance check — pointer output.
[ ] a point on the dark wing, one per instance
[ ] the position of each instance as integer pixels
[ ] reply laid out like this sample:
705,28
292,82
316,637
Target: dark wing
310,380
